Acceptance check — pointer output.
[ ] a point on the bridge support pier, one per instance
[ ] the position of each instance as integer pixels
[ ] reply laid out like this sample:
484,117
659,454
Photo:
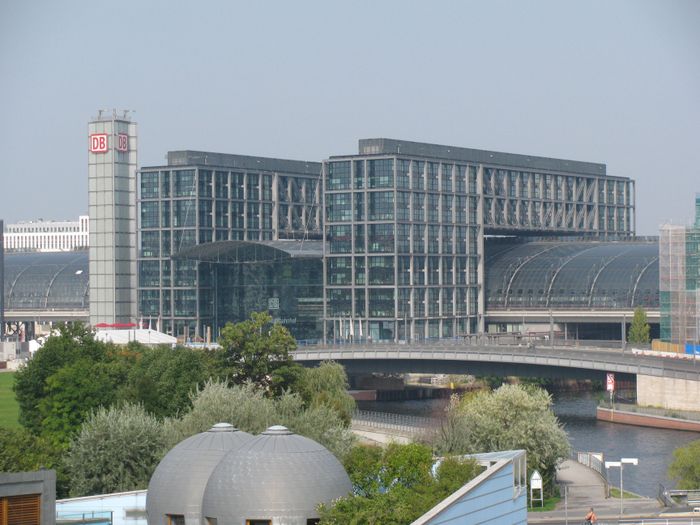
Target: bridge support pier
668,392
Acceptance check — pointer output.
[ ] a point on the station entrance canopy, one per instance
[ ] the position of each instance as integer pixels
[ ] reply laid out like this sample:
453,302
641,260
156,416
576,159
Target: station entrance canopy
237,278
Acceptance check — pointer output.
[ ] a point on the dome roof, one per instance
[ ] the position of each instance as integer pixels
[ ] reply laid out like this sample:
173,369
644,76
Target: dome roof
178,483
276,474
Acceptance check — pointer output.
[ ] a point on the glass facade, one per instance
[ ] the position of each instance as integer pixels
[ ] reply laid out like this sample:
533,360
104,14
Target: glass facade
186,204
405,225
406,287
402,225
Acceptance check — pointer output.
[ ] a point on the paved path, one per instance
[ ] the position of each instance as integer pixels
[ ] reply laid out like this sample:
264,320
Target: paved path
586,489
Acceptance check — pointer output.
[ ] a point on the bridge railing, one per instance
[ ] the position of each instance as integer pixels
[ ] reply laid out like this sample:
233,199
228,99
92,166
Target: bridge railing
403,424
596,462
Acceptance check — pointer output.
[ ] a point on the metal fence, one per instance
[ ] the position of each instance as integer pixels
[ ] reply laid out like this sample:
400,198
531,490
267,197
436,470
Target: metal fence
401,424
592,460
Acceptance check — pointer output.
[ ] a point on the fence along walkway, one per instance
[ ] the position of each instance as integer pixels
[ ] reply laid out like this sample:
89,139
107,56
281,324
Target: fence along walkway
398,424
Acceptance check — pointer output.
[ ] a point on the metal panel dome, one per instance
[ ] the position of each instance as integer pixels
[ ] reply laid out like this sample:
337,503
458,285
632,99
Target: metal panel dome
278,476
178,483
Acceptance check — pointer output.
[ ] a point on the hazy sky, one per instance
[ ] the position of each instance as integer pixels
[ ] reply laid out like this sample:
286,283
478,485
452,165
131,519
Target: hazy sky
606,81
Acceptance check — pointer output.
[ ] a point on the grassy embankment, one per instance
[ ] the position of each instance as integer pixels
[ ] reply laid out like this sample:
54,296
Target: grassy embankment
9,409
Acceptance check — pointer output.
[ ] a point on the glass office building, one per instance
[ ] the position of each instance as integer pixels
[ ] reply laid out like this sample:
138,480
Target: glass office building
201,199
405,223
387,244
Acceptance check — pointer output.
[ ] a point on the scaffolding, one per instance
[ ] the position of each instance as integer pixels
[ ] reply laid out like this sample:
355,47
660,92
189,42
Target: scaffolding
679,282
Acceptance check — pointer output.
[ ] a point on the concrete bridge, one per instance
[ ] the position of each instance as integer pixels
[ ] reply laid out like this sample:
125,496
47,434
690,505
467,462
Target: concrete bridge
661,381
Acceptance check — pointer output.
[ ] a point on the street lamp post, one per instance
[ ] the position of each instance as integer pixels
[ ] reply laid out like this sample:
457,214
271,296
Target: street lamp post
620,464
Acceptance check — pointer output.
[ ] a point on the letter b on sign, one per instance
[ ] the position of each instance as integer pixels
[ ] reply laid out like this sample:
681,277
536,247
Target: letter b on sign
98,143
123,142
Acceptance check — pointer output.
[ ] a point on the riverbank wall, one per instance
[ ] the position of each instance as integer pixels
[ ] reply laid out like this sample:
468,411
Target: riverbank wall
641,419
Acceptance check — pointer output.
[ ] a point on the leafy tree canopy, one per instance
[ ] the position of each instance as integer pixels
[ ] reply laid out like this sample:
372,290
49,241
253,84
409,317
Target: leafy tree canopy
511,417
255,349
394,486
327,384
639,328
685,466
116,450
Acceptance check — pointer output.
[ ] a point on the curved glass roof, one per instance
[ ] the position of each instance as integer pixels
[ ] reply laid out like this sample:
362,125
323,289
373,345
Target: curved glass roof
233,251
573,275
47,281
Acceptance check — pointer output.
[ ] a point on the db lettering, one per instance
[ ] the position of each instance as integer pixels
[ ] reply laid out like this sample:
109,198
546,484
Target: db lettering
122,142
98,143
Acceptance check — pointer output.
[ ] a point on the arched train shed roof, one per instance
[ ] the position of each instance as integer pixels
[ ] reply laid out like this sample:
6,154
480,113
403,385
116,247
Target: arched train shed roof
575,275
47,281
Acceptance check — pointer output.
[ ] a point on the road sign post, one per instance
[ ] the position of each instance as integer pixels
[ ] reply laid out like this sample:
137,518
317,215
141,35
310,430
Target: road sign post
536,484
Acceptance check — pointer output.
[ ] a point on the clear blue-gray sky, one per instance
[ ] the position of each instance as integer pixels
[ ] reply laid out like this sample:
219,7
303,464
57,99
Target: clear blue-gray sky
614,82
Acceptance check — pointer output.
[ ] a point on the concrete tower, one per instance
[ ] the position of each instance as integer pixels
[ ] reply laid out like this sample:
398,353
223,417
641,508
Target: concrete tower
112,209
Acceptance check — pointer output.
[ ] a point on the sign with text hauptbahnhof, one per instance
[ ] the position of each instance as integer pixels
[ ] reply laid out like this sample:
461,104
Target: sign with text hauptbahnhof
99,142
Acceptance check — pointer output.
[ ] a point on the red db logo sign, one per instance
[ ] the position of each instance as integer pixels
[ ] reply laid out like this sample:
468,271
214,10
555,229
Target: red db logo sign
123,142
98,143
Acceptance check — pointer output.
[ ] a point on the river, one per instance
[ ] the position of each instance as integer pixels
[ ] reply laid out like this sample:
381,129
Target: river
654,447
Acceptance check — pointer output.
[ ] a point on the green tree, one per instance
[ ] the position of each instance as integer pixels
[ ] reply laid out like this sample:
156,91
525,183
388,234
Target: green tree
255,349
73,341
327,384
511,417
117,450
395,486
685,466
162,378
639,328
72,392
249,409
22,451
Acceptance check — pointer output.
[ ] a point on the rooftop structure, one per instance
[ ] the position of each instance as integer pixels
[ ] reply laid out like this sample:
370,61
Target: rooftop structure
572,275
177,485
112,210
227,476
47,236
46,285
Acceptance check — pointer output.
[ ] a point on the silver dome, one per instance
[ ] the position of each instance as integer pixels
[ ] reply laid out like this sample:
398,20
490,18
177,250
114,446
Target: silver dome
278,475
178,483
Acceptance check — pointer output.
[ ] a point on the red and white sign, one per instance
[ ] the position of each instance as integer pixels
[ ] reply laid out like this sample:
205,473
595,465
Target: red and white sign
610,382
98,143
123,142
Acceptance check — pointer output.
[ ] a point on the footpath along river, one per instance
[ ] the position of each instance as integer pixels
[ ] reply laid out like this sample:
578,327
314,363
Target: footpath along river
654,447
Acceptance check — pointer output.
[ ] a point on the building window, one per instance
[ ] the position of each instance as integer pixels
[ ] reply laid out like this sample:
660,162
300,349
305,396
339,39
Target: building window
380,173
175,519
149,185
25,510
338,175
184,183
212,521
381,205
258,522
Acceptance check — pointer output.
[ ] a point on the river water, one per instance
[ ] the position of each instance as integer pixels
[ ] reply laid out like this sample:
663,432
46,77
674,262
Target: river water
654,447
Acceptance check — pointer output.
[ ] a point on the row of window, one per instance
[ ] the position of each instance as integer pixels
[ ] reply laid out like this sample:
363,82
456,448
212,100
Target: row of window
418,207
227,185
412,302
402,329
402,173
402,238
410,270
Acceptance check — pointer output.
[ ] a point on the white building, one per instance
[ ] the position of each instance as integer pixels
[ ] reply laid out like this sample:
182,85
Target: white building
47,236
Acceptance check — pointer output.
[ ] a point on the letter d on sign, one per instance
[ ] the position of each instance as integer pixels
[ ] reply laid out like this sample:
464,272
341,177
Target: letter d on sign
98,143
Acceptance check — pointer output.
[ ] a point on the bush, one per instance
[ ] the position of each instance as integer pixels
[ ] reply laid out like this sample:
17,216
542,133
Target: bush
116,450
511,417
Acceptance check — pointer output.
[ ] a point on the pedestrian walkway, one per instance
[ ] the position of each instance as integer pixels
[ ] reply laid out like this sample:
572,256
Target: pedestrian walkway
585,488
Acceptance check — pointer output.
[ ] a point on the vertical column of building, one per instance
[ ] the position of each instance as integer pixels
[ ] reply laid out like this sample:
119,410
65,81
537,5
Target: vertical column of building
112,210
